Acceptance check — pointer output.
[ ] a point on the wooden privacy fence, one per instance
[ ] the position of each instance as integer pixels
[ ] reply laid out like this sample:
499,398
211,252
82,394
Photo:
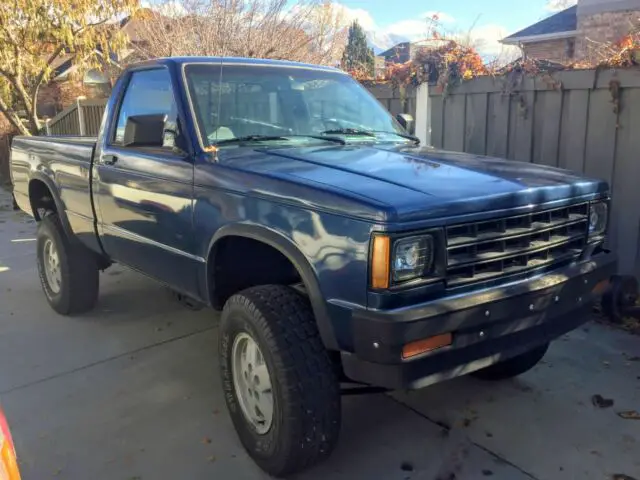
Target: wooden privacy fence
82,119
586,121
395,100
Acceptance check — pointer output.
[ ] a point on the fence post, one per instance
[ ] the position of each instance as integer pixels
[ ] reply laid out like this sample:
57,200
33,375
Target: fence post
81,123
47,127
423,114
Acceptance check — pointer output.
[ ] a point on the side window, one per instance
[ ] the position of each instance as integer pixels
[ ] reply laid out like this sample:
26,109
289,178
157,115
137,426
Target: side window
149,92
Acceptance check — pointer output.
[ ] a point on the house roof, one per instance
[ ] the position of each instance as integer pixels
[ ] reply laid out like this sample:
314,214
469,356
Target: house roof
64,63
132,26
560,25
399,53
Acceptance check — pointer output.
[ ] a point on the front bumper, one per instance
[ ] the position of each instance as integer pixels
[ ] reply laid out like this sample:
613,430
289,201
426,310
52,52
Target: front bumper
487,326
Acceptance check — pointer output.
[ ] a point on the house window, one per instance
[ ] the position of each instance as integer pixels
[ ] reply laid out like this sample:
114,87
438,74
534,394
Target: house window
571,47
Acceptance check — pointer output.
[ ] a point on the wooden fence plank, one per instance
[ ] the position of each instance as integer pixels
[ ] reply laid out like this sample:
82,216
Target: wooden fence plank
521,126
437,120
395,106
601,136
481,85
498,125
576,79
626,78
552,114
575,113
454,123
476,123
625,202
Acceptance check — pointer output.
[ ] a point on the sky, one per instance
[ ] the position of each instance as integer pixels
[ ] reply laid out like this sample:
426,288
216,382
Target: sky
487,20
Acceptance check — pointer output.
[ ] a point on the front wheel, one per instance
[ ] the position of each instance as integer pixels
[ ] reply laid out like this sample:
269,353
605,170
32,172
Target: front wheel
279,382
513,367
68,270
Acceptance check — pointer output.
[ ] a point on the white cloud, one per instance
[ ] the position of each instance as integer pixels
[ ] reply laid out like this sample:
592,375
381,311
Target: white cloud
363,17
558,5
170,8
412,29
486,38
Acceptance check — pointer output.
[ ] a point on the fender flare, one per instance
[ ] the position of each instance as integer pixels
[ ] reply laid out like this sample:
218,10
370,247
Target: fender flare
62,213
287,248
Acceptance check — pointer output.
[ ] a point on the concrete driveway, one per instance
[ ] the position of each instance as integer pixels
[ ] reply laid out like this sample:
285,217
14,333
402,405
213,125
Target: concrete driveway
130,391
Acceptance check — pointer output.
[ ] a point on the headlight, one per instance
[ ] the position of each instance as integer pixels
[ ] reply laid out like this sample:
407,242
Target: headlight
396,261
412,258
598,218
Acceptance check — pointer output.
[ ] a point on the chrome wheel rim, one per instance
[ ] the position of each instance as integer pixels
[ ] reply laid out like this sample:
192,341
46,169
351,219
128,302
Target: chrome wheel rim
51,261
252,383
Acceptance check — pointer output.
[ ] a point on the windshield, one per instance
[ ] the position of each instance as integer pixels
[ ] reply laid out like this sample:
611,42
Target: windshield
274,103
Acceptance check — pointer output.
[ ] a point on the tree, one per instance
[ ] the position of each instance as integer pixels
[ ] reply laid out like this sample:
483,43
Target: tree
34,34
301,30
357,56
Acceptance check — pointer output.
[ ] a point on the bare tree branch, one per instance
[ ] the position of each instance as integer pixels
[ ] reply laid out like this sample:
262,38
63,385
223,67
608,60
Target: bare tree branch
308,30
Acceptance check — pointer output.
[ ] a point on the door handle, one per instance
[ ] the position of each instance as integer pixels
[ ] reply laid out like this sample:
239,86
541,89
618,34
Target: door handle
109,159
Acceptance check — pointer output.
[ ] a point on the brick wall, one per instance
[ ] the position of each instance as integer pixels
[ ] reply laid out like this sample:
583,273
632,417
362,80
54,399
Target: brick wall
603,27
560,50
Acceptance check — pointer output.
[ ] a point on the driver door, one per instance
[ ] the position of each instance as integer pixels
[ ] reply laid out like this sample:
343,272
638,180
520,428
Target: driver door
146,193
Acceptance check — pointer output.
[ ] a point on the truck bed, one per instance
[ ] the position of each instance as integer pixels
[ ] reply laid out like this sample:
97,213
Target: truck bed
62,163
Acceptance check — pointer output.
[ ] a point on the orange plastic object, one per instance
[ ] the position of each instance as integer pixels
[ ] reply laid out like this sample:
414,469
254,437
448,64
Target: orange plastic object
380,261
426,345
8,462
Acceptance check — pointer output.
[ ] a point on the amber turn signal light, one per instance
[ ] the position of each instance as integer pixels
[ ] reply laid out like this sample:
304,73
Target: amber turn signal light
380,261
426,345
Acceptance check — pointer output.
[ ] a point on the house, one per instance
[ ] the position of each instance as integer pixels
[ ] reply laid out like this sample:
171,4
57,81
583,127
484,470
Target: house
573,34
405,51
66,85
399,53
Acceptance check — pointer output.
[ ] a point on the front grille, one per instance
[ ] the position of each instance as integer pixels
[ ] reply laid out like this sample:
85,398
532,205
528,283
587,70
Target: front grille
491,249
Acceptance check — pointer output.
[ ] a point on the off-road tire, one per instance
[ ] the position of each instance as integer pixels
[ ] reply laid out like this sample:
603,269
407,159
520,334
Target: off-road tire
306,390
78,266
514,366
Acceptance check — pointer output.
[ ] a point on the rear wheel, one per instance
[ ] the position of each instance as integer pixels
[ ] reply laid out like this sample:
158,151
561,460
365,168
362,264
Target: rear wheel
280,386
513,366
68,270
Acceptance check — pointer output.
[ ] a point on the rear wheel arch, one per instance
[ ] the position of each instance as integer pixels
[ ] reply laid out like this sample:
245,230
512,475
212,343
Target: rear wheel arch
44,199
289,251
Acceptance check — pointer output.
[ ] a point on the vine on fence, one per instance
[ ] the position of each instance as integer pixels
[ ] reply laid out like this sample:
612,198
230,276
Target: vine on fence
452,63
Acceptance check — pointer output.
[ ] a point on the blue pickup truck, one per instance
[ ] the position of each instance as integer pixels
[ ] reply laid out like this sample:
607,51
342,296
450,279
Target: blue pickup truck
337,248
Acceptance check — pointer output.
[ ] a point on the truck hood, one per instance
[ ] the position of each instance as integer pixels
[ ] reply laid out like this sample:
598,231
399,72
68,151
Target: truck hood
422,183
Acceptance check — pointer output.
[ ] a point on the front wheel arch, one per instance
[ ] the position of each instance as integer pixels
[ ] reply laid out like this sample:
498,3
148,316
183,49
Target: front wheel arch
292,253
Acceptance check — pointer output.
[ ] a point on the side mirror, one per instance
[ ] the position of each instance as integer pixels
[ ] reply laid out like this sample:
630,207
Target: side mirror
145,130
406,121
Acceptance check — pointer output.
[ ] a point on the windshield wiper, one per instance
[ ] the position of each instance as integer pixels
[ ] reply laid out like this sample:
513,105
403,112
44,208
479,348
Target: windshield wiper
250,138
323,137
349,131
262,138
413,138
